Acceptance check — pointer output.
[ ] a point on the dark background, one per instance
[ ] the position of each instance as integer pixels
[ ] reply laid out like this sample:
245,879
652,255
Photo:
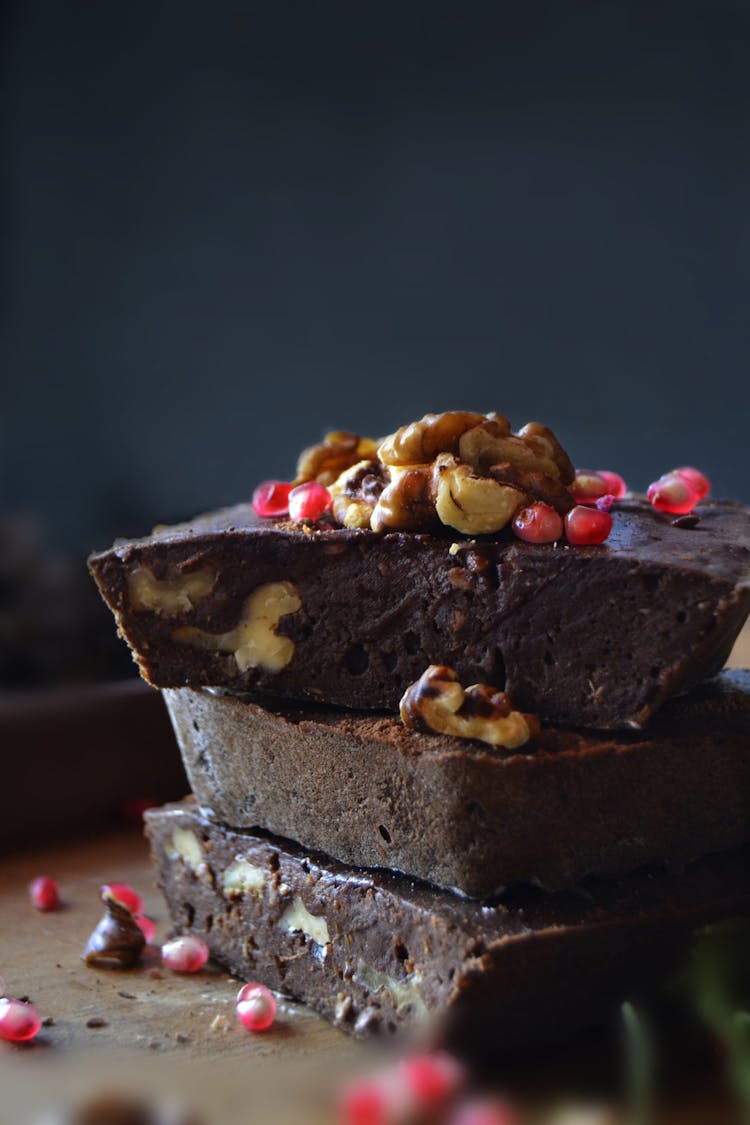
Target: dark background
232,225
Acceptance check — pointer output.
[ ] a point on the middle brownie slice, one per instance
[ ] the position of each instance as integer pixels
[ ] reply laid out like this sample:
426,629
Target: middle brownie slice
463,815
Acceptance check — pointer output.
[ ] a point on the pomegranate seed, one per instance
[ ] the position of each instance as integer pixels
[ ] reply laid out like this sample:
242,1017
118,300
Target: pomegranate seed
700,483
185,954
256,1007
672,493
585,526
431,1080
369,1101
271,498
146,926
125,894
44,893
486,1111
308,501
19,1022
616,486
539,523
133,809
604,503
588,486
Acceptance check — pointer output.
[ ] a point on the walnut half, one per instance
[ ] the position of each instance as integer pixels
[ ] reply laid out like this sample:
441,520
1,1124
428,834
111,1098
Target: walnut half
437,703
336,453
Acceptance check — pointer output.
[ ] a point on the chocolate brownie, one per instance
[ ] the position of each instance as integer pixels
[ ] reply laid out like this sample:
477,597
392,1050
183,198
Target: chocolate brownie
378,952
464,815
594,636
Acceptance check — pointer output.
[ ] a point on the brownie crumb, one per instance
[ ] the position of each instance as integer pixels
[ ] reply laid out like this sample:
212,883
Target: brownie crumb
127,995
686,521
96,1021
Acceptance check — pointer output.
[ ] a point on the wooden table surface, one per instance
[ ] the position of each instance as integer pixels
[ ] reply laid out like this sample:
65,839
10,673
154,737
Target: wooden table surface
165,1035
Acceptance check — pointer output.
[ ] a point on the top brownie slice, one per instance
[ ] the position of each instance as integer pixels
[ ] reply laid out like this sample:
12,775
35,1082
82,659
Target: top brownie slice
596,636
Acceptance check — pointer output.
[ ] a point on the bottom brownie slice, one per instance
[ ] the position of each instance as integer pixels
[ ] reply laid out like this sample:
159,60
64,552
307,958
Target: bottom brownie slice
374,951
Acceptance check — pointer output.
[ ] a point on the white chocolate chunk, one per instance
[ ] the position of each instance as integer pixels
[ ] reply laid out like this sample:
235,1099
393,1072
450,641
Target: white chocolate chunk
253,641
174,594
297,918
242,877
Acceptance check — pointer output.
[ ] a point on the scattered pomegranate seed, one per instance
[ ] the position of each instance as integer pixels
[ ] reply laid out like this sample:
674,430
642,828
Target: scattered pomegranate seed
700,483
588,486
485,1111
308,501
19,1022
672,493
134,808
44,893
369,1101
256,1007
146,926
616,486
125,894
185,954
539,523
431,1080
585,526
271,498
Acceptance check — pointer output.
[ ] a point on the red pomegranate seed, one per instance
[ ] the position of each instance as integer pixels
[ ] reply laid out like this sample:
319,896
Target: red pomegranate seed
369,1101
672,493
539,523
588,486
19,1022
431,1080
271,498
146,926
616,486
256,1007
308,501
44,893
125,894
134,807
185,954
486,1111
584,526
697,481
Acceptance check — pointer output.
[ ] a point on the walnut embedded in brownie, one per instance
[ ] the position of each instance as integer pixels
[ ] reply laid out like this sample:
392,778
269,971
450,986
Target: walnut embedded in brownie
380,953
464,815
595,636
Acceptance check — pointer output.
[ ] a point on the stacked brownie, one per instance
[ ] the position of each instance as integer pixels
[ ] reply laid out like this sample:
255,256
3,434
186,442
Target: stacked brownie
386,868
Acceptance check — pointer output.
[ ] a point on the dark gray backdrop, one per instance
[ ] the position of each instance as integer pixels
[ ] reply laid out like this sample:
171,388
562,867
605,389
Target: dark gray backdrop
231,225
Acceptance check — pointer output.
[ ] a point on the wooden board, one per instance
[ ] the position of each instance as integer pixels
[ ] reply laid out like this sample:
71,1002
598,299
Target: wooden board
173,1024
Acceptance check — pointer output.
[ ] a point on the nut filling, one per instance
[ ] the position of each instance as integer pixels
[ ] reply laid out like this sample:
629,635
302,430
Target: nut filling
438,703
172,595
253,642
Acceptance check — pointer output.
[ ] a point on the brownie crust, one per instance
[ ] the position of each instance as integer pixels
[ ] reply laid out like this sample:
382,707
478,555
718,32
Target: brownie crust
466,816
380,953
586,636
